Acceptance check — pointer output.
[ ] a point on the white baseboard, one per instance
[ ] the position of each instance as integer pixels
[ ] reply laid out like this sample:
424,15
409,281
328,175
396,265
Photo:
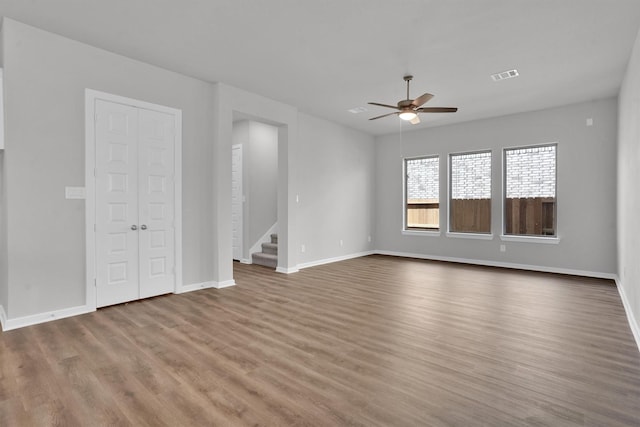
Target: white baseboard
225,284
195,287
334,259
245,261
20,322
286,270
543,269
205,285
3,317
631,318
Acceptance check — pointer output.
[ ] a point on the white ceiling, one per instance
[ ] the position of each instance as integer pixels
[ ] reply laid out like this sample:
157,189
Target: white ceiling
327,56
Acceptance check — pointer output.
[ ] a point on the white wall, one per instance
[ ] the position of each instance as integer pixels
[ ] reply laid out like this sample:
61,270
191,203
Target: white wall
586,163
336,190
45,79
629,189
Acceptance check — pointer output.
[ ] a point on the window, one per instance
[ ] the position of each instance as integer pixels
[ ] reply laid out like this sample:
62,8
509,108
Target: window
530,196
422,193
470,204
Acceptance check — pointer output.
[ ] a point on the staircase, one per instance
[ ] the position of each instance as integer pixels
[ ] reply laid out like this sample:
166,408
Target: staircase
269,255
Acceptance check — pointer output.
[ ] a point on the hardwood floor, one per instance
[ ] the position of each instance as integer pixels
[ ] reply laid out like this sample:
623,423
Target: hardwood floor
375,341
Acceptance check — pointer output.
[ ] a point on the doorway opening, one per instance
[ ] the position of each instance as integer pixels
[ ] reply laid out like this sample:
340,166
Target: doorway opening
255,192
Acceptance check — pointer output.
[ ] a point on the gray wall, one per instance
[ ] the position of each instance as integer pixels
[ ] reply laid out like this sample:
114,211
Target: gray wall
260,178
349,184
240,136
4,284
45,79
229,102
42,267
628,187
586,163
336,190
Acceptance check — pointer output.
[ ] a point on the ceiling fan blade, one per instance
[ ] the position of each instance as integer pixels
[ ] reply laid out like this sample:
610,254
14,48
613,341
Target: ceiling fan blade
436,110
383,105
422,99
384,115
415,120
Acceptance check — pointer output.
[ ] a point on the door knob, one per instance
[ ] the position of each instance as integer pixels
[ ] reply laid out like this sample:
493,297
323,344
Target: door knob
143,227
134,227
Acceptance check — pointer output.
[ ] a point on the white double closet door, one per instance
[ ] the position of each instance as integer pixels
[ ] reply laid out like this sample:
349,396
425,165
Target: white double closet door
135,202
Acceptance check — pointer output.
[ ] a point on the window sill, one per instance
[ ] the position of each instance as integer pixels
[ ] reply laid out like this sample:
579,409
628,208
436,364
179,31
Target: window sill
429,233
531,239
477,236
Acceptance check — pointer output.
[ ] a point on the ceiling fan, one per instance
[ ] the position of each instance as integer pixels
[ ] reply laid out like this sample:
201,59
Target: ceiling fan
408,109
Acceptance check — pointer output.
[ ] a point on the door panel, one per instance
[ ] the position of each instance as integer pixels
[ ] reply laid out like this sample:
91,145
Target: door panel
156,202
135,203
116,203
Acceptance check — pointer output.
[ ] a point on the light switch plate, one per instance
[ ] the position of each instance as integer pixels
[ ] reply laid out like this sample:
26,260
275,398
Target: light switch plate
74,193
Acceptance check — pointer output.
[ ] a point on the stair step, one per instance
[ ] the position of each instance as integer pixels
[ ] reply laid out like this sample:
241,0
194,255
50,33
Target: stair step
274,238
268,260
270,248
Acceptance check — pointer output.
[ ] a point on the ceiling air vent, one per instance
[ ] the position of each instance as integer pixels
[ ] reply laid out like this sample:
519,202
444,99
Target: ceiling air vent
505,75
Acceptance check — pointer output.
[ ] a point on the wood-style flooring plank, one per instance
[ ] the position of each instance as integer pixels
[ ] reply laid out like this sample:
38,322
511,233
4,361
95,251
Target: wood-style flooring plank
373,341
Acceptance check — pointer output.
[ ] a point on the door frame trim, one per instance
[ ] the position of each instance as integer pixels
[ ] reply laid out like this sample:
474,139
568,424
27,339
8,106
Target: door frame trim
91,96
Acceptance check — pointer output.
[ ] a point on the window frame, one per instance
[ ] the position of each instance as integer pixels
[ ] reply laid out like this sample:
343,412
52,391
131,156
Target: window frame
482,235
418,230
529,238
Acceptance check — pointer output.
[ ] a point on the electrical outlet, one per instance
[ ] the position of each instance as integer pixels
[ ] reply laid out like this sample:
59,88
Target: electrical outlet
503,248
302,248
369,239
341,243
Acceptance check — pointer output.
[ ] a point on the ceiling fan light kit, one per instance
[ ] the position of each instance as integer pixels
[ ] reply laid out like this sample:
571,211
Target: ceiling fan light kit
407,115
408,109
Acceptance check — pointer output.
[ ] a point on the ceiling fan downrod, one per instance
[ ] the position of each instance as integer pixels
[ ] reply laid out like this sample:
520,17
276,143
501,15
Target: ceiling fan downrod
407,79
